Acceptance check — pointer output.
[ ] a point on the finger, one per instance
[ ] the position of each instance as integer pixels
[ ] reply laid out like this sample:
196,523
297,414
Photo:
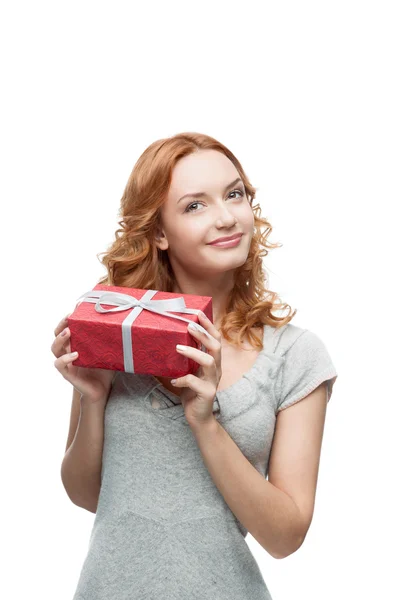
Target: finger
186,381
208,325
205,338
206,361
61,325
62,363
61,344
194,383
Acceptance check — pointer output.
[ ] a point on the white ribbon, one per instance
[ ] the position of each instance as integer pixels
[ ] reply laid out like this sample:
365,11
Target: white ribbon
135,306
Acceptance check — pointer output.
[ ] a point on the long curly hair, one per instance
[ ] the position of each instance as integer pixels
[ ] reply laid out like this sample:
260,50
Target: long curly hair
133,259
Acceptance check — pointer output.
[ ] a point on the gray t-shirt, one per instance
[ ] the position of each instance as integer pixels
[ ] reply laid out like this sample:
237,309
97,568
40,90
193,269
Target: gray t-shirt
162,530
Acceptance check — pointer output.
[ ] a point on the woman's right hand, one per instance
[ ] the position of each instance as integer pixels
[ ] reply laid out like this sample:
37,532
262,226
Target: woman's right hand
93,384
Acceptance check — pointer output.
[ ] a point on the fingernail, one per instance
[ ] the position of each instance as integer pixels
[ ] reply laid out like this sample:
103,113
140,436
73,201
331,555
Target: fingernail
74,353
64,332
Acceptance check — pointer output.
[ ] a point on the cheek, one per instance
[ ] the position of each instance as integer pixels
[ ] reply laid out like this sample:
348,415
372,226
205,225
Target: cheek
246,218
194,230
188,235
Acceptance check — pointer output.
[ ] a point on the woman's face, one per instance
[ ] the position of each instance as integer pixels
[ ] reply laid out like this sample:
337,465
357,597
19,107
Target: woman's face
189,224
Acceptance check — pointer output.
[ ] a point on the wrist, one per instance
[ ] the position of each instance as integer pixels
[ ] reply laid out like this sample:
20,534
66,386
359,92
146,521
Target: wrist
204,427
88,403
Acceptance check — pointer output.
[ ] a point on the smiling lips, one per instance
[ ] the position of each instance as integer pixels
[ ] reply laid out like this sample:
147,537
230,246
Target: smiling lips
230,238
229,243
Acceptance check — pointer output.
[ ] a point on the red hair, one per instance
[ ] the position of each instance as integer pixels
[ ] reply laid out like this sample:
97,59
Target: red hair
133,259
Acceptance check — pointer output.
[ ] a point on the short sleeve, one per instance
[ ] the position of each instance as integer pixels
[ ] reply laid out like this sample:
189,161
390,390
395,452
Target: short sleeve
307,364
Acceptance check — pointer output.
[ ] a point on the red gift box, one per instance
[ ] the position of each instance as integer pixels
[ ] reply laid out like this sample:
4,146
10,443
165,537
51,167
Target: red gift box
124,335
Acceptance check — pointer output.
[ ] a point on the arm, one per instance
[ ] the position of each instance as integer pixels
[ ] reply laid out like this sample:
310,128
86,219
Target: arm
81,466
277,515
269,514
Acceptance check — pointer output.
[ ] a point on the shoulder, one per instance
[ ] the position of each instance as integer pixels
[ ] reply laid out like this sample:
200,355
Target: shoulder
306,363
283,338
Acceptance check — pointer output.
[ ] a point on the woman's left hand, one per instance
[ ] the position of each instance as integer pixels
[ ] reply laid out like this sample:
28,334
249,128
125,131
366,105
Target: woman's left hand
199,391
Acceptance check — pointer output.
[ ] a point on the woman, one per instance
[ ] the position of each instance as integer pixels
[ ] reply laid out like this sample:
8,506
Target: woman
176,472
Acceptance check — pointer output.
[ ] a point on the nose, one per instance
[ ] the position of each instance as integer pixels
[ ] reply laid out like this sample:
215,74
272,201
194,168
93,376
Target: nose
226,218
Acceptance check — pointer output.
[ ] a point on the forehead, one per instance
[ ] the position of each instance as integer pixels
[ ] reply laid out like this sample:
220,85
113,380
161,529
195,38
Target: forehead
202,171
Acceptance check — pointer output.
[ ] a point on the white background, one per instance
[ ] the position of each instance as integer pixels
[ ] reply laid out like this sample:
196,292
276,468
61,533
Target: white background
306,95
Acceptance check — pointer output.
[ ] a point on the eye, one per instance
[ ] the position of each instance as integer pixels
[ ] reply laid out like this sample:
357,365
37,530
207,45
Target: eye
240,192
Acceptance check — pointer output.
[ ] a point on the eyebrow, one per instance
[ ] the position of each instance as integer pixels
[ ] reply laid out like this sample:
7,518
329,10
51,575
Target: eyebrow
201,194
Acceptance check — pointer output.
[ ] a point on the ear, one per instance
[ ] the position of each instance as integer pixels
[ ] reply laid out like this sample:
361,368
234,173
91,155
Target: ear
160,239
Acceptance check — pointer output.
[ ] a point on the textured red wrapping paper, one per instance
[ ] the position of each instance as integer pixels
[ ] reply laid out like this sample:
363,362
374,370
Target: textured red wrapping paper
98,336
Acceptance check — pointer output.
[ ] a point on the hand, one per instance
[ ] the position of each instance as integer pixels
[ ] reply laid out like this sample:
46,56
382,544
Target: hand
199,391
93,384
